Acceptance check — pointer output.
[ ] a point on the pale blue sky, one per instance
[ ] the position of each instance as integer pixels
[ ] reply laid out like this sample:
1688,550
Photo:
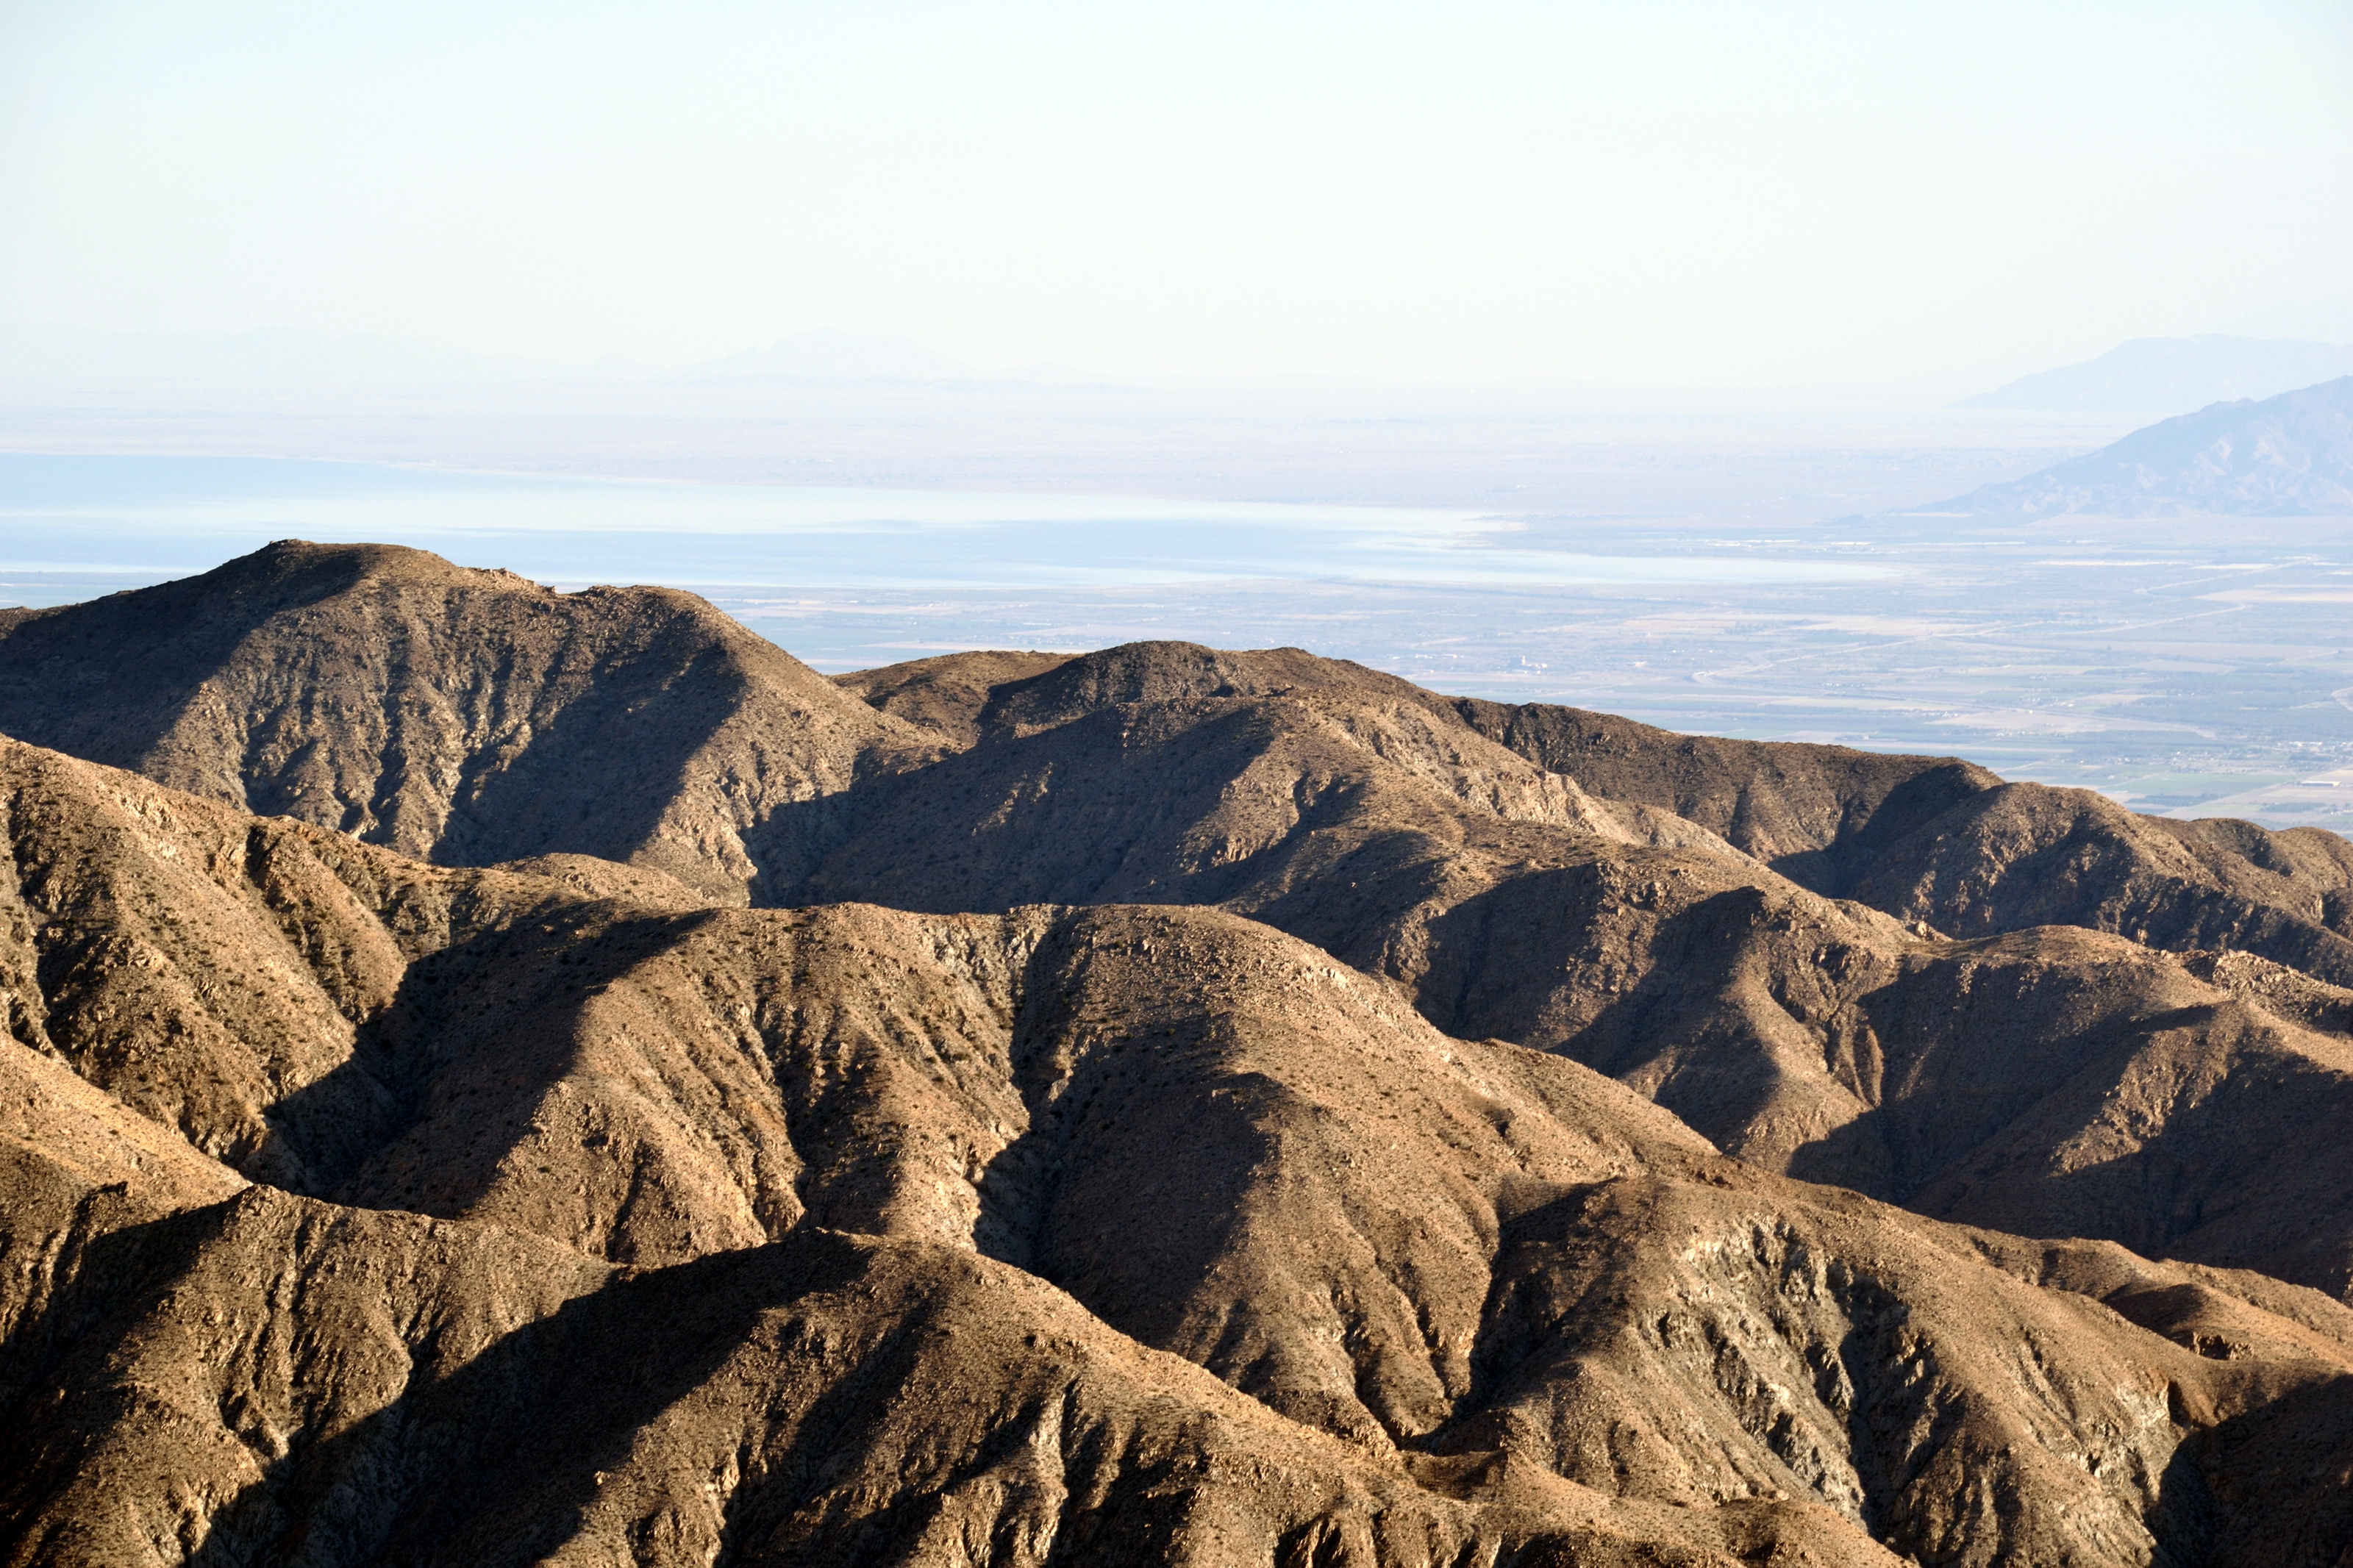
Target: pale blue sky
1685,194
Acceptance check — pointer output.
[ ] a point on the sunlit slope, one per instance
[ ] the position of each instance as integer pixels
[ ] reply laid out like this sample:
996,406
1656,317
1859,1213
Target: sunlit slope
1121,1233
465,716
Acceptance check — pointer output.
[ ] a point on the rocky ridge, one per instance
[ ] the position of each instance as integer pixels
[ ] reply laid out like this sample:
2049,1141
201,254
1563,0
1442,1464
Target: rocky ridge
1806,952
442,711
1176,1105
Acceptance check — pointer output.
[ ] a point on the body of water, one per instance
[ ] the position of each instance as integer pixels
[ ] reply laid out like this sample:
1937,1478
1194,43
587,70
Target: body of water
67,522
2190,665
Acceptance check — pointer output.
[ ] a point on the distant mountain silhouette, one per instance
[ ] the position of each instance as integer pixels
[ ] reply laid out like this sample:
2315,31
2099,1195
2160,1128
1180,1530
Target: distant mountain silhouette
2315,321
264,355
298,356
2174,375
2290,455
844,356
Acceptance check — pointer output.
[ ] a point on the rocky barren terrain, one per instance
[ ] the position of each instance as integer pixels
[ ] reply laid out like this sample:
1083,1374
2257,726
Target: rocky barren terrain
496,1076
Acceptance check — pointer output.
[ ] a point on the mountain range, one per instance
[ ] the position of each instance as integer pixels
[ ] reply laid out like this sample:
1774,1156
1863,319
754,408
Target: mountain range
2289,456
824,354
301,357
2175,375
497,1075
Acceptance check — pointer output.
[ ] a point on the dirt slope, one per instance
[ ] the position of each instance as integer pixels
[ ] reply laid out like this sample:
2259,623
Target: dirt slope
274,1379
2025,855
1352,810
1811,1036
944,695
460,716
1164,1104
1174,1239
205,966
1817,815
1929,839
1766,1017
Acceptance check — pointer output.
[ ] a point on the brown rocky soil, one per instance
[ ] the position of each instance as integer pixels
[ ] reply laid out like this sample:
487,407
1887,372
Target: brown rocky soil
1165,1105
443,713
2060,1072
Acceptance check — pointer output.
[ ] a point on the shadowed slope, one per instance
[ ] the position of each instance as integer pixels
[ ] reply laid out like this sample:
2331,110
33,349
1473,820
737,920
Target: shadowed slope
944,695
1929,839
467,717
272,1379
1808,1034
1192,803
888,1399
1507,902
1814,814
1475,1265
1048,1217
883,1400
2026,855
205,966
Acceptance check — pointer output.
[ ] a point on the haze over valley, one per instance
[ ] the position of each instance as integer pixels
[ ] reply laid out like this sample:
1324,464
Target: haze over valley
1277,786
1726,564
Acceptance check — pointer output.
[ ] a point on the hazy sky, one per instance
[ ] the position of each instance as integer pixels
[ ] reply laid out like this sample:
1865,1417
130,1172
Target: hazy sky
1665,193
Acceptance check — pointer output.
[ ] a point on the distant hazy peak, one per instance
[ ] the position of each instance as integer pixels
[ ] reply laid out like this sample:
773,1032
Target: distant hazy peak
2289,456
260,356
2175,375
828,355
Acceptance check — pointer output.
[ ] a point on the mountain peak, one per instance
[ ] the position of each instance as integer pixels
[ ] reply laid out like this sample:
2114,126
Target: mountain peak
2288,456
1183,1100
827,355
441,711
2174,375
